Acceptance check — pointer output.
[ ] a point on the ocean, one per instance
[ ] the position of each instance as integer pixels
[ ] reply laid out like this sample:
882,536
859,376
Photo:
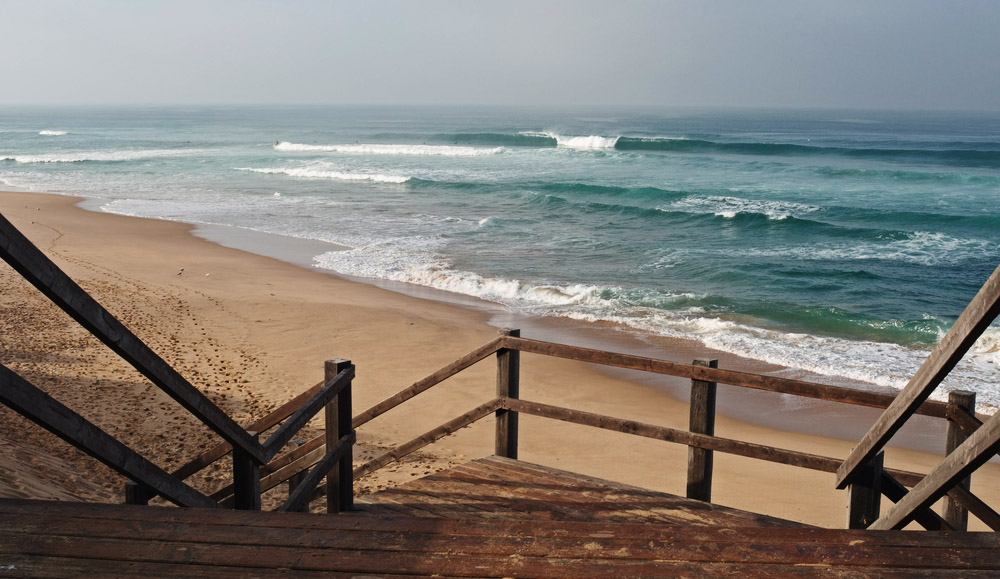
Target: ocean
842,243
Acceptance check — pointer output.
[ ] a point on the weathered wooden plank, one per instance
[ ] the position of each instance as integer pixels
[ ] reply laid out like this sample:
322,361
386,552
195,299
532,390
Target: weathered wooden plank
47,412
701,421
976,506
959,401
264,424
287,431
978,315
525,545
15,512
339,480
427,438
466,361
721,376
969,456
246,481
894,490
508,385
42,273
424,554
865,495
298,501
631,502
747,449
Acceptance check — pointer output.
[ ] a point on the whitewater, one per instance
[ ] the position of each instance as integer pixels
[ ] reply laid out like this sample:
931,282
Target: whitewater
843,244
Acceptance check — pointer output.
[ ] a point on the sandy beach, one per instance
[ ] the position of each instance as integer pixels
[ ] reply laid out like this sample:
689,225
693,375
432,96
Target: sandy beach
253,332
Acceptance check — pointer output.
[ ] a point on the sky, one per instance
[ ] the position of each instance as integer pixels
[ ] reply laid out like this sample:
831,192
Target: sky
874,54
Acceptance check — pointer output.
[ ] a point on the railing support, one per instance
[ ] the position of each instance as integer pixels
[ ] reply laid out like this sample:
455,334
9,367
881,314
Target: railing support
246,479
340,480
508,385
957,515
137,493
702,421
865,494
296,479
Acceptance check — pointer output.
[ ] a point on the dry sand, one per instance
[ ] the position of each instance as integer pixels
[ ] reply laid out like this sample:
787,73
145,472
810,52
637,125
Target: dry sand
252,332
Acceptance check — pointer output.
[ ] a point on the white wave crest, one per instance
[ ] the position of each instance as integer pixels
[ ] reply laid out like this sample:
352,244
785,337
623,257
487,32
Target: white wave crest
920,248
50,133
418,150
322,173
97,156
588,143
730,207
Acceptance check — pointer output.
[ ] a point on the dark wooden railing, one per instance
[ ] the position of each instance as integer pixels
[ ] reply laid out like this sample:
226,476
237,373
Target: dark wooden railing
149,480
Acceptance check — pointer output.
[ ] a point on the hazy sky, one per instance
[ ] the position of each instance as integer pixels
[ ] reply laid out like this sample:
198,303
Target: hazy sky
761,53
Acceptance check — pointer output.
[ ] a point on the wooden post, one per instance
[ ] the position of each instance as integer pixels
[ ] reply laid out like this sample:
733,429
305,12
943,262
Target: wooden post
340,480
296,479
246,479
137,494
702,421
957,515
508,385
865,494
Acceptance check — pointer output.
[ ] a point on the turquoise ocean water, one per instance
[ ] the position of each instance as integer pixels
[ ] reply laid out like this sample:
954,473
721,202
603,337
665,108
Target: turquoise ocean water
842,243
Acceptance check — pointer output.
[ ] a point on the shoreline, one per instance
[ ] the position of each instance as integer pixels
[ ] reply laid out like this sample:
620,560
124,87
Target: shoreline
791,414
287,315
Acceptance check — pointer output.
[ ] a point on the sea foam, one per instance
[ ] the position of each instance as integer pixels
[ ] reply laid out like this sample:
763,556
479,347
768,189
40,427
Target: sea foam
591,142
378,149
49,133
95,156
323,173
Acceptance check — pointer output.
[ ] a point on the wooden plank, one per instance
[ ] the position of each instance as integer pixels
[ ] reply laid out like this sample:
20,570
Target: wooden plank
894,490
333,386
264,424
962,401
42,273
298,501
747,449
427,438
976,506
721,376
47,412
401,553
14,512
508,385
701,421
466,361
978,315
968,457
865,495
340,480
246,481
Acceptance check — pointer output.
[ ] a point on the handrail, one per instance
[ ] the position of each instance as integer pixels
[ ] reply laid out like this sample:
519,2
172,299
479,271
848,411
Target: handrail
732,377
295,422
49,279
429,382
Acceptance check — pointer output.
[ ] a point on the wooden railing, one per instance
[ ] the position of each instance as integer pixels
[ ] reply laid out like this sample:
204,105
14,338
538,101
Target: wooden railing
699,436
248,453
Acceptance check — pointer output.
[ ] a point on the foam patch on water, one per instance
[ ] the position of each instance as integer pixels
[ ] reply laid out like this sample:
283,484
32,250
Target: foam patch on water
586,143
50,133
920,248
370,149
325,173
96,156
730,207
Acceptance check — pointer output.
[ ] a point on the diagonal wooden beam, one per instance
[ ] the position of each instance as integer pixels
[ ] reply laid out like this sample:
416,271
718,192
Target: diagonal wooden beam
39,407
42,273
965,459
978,315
